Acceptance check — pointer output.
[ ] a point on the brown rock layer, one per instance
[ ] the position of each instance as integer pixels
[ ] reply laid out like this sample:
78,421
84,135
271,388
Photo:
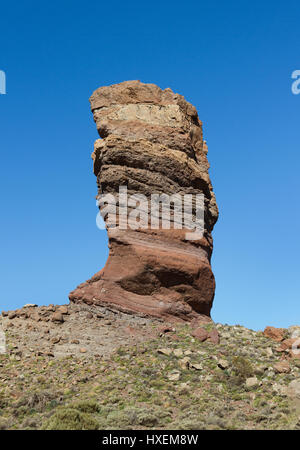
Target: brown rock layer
151,143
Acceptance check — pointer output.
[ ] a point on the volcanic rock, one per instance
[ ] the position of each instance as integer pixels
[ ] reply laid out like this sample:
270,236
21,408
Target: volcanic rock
282,367
277,334
12,315
151,143
57,317
201,334
214,336
63,309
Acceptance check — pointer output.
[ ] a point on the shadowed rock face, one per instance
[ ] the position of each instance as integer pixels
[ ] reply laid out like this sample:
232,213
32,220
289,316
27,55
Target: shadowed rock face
151,143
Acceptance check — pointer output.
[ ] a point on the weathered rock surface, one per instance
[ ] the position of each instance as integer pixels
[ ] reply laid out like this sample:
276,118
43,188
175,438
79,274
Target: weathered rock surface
152,143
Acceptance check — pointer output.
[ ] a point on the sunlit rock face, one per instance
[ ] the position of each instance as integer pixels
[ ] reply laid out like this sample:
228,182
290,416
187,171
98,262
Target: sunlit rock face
151,143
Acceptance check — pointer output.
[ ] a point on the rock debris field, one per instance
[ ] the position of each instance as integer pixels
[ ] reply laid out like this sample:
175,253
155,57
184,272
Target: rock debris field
89,367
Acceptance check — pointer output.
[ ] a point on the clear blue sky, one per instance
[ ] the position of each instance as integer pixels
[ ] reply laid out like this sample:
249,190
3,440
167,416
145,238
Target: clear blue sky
233,60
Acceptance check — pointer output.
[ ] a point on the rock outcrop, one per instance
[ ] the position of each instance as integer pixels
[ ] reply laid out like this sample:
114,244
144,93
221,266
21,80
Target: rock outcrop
151,143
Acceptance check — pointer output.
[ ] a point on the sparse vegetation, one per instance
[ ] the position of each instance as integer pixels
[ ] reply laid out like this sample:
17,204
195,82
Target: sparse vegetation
172,381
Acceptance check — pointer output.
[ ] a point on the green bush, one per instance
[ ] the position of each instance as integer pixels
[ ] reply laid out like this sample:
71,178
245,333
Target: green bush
87,406
242,369
71,419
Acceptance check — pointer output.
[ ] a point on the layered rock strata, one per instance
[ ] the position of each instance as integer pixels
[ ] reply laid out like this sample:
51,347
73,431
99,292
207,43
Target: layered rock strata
151,143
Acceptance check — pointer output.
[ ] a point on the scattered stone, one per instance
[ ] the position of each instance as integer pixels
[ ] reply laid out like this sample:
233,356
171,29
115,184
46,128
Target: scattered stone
295,353
34,316
30,305
293,389
174,376
51,308
178,352
251,382
259,370
226,335
75,341
286,345
57,317
223,364
165,351
196,366
12,315
279,389
214,336
282,367
83,350
200,334
294,331
184,363
63,309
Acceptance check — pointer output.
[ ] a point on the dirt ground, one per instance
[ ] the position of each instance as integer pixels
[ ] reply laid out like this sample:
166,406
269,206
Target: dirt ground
84,330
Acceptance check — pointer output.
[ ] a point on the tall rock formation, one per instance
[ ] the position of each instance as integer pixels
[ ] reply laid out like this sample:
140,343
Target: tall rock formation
151,143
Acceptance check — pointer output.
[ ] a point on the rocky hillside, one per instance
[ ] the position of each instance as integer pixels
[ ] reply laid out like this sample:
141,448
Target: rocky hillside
82,367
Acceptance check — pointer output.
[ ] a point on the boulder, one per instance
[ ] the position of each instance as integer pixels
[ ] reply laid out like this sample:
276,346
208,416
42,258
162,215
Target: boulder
200,334
282,367
277,334
57,317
